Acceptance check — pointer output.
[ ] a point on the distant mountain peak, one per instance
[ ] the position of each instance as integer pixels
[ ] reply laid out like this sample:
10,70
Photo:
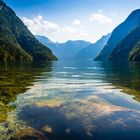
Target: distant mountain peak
92,50
67,50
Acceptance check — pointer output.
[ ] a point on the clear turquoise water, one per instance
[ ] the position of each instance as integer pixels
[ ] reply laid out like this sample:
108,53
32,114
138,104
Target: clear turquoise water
76,100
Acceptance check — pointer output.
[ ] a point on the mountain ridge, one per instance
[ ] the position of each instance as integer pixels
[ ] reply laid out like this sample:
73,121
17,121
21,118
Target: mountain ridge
123,50
66,50
93,50
118,34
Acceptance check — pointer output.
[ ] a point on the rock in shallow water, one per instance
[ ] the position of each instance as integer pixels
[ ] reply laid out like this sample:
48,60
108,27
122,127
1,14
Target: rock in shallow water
47,129
29,134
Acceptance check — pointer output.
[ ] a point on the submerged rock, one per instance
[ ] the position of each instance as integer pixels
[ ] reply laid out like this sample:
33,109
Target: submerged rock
47,129
29,134
68,131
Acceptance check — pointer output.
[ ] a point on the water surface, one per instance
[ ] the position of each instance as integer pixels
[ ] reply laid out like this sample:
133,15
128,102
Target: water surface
70,100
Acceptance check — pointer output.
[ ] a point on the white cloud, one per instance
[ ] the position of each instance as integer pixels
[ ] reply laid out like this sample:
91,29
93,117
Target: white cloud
38,25
101,18
76,22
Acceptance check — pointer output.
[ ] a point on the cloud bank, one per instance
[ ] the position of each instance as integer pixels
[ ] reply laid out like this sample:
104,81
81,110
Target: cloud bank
39,26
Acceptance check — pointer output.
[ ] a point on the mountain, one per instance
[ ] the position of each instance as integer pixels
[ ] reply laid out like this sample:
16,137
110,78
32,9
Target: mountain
63,51
16,41
93,50
128,44
119,33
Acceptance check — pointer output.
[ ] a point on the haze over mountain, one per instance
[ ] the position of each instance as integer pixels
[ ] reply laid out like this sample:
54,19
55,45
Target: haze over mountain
119,34
93,50
64,51
16,41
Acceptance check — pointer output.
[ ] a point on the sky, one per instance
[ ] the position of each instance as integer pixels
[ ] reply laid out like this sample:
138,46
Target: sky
62,20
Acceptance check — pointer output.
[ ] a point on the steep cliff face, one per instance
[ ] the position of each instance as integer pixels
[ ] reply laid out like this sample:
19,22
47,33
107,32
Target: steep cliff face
123,50
119,34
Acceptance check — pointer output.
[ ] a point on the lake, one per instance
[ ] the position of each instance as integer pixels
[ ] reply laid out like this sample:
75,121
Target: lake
70,100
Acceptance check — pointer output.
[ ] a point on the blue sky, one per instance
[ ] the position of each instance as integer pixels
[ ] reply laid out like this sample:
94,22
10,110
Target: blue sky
62,20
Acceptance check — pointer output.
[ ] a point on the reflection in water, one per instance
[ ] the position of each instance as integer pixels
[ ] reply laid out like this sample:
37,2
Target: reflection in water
15,78
72,101
124,76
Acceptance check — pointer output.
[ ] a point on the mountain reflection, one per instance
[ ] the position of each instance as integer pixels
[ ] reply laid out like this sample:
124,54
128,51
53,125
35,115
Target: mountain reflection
124,76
